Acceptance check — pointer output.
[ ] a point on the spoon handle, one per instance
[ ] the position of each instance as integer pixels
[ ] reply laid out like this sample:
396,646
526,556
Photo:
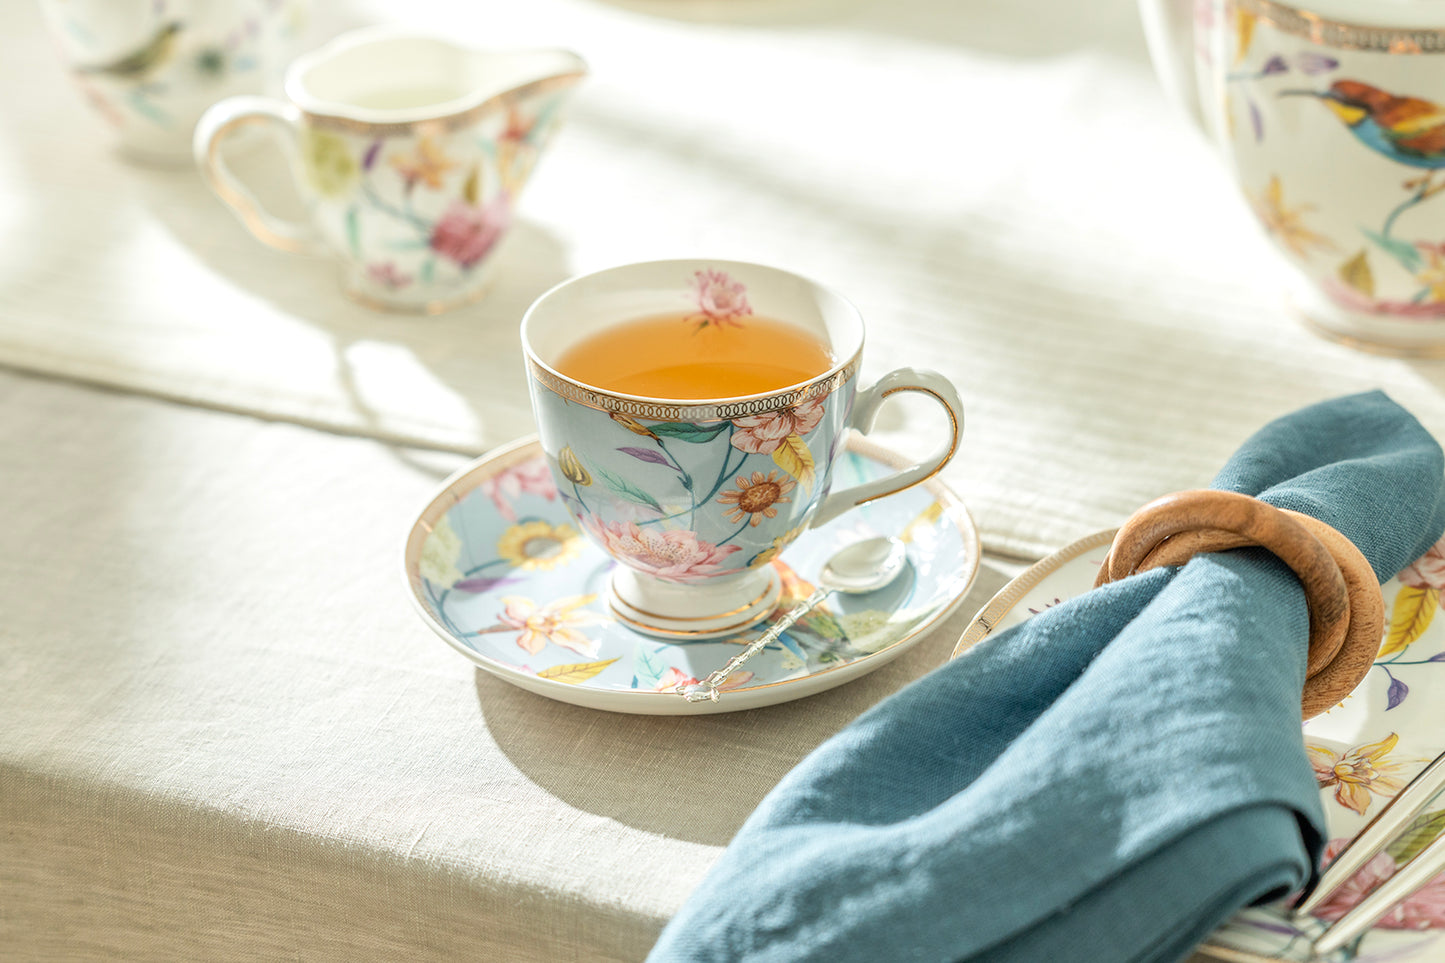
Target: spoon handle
707,689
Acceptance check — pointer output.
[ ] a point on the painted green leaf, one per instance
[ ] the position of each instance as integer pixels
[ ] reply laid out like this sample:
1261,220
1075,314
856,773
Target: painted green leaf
1357,274
428,269
647,667
628,490
353,231
1403,251
1417,836
1410,616
472,189
686,431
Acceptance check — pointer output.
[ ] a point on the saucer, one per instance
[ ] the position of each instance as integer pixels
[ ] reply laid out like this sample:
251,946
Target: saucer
1388,729
497,568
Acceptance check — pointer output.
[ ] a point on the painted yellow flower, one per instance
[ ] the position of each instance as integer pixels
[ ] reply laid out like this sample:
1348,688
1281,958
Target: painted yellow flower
756,497
556,622
571,467
1359,771
1286,224
429,164
327,160
537,546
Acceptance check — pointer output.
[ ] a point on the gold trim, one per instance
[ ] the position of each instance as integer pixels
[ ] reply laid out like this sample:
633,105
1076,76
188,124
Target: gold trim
447,122
952,447
1342,35
647,628
465,480
581,394
1430,352
768,590
1007,597
223,182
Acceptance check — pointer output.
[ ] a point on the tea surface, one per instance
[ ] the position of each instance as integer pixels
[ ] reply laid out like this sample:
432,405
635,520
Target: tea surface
676,356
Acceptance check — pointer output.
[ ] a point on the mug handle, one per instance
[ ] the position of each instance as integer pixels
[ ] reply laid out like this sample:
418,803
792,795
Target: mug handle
218,123
865,412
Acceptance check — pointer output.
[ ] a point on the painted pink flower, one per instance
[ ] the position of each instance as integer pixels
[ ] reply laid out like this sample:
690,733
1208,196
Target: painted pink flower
467,232
675,555
1427,571
765,434
719,297
530,477
1422,911
557,622
388,276
1347,297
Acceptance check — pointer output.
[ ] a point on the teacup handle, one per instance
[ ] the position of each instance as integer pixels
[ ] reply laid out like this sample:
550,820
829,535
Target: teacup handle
218,123
865,412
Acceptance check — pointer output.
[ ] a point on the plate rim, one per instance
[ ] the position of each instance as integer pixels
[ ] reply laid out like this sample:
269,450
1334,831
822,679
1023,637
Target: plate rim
465,480
1003,601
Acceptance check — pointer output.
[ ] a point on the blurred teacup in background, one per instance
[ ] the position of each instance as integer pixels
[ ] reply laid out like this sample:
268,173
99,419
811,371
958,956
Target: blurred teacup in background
1331,115
152,67
409,152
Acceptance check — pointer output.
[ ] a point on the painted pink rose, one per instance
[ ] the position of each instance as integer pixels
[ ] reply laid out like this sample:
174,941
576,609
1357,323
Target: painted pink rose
530,477
1427,571
719,297
675,555
765,434
466,233
1425,910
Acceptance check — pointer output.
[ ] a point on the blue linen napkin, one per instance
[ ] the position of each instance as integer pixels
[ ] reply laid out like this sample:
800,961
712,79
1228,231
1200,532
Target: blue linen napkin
1108,781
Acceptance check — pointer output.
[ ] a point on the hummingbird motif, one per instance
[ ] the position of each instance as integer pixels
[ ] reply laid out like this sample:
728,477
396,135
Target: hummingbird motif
142,63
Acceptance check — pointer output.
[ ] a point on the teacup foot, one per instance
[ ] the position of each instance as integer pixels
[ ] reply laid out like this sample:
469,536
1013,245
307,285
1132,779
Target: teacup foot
1399,336
707,610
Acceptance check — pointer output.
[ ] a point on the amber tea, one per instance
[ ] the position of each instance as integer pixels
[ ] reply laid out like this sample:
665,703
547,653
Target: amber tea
676,356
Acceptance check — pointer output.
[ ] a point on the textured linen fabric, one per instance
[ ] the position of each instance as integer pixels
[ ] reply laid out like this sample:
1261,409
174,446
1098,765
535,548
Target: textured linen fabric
224,734
1109,780
999,186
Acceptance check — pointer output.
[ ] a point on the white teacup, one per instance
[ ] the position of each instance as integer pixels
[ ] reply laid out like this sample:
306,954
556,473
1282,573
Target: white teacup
410,152
151,69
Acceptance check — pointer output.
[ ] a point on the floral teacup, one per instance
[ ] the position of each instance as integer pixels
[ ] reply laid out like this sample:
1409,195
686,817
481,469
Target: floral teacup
695,498
1330,114
152,68
411,153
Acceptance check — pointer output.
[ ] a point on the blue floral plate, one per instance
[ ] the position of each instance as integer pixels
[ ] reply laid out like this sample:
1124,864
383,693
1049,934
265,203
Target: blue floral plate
1364,750
497,568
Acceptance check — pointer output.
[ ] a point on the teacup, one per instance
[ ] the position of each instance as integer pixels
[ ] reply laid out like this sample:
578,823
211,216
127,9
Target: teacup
151,69
410,150
692,498
1329,113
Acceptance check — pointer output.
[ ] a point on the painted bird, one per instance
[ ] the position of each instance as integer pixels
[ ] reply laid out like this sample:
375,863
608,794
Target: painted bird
140,64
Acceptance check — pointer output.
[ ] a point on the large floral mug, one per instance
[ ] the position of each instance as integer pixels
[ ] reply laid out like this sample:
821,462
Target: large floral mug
410,152
695,498
1331,114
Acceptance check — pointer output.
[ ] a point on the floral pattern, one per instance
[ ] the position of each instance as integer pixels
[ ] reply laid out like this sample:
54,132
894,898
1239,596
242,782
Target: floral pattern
538,545
1424,910
675,554
559,623
550,622
1286,224
720,298
756,497
1360,771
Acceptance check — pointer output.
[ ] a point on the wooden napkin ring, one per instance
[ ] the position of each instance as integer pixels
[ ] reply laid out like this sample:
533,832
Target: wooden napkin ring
1346,609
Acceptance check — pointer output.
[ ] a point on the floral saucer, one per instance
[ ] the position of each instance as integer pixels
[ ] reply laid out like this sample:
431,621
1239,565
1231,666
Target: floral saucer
498,570
1364,751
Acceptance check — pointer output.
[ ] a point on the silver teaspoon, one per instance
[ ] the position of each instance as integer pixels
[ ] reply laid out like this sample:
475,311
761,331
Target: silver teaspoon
864,566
